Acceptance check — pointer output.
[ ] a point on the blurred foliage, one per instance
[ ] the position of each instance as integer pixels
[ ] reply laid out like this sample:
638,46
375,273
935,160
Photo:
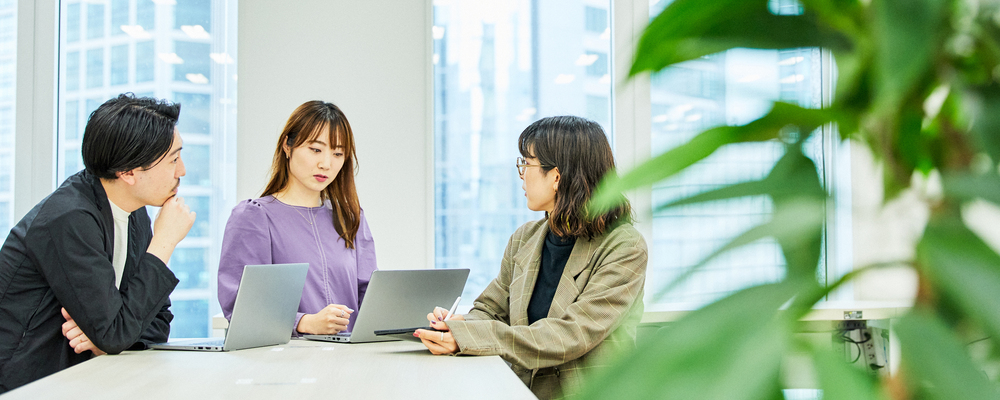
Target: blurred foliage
918,83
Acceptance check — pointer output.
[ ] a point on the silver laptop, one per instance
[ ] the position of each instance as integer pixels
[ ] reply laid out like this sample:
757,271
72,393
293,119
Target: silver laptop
401,298
264,312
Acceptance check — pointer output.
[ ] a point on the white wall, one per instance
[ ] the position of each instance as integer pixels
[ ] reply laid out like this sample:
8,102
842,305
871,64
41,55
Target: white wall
888,233
883,233
372,59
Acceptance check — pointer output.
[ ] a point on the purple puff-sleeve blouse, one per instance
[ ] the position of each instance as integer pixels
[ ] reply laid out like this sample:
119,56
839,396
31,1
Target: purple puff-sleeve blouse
267,231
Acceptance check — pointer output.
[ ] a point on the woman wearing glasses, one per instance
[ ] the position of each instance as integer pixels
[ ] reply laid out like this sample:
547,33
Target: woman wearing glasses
309,213
570,285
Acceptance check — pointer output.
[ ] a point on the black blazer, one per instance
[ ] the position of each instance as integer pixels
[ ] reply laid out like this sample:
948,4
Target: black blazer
59,255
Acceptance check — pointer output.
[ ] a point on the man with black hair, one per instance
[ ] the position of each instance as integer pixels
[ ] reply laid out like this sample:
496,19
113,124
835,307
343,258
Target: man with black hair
82,274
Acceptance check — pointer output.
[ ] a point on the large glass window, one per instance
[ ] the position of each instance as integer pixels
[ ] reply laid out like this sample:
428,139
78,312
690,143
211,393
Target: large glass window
165,49
8,77
729,88
95,20
499,66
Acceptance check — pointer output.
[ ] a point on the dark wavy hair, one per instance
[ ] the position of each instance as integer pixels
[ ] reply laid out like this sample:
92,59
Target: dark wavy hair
126,133
580,150
305,124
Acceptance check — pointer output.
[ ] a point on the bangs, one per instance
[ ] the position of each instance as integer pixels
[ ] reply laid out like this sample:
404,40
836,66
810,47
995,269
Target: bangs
337,137
525,143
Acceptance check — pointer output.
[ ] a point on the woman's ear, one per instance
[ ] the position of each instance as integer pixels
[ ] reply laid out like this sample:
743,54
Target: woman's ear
288,150
555,182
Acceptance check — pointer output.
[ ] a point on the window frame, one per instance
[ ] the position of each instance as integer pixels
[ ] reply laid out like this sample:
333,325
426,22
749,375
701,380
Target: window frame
37,114
35,117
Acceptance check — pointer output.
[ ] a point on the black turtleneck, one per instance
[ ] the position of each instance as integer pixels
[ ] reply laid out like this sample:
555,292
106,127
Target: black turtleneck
555,253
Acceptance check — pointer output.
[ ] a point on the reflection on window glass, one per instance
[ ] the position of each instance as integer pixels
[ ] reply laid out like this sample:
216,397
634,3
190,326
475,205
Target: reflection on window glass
190,318
596,19
144,62
599,109
499,66
71,31
5,213
6,167
188,264
95,68
122,36
72,122
201,206
193,13
196,162
91,105
145,14
71,60
7,125
729,88
8,105
95,20
195,68
119,65
119,16
802,394
597,64
194,119
72,161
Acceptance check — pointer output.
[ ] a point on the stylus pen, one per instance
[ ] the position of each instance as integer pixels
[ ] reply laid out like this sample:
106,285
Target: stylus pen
453,308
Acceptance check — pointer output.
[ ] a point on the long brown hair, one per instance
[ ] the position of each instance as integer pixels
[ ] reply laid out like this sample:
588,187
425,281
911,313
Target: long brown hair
580,150
304,125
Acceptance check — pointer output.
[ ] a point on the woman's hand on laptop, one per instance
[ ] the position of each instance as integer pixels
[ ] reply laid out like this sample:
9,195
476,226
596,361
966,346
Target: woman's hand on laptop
328,321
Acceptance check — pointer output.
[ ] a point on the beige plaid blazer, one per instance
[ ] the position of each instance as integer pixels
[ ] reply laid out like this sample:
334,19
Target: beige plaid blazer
594,312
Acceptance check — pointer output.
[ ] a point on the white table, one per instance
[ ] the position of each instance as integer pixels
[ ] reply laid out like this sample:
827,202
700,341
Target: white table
299,369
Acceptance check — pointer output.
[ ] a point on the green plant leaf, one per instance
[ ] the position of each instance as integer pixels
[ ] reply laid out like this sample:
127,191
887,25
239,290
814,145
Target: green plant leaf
986,125
792,183
970,187
963,268
846,16
802,250
908,32
793,176
794,226
731,349
736,190
853,84
688,29
842,381
609,191
914,145
936,362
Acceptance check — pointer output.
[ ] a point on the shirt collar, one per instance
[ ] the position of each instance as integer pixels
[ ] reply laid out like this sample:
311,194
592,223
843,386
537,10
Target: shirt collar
117,212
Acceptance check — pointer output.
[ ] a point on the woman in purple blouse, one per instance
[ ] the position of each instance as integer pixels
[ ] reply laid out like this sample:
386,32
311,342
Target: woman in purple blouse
309,213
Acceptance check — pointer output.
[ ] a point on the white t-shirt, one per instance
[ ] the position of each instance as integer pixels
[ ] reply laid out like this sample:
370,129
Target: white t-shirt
121,241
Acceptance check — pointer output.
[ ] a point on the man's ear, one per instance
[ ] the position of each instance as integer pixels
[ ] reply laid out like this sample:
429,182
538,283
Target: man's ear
127,176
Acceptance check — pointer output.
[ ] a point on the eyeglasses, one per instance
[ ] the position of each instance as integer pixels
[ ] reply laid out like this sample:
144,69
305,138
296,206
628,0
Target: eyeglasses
522,164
